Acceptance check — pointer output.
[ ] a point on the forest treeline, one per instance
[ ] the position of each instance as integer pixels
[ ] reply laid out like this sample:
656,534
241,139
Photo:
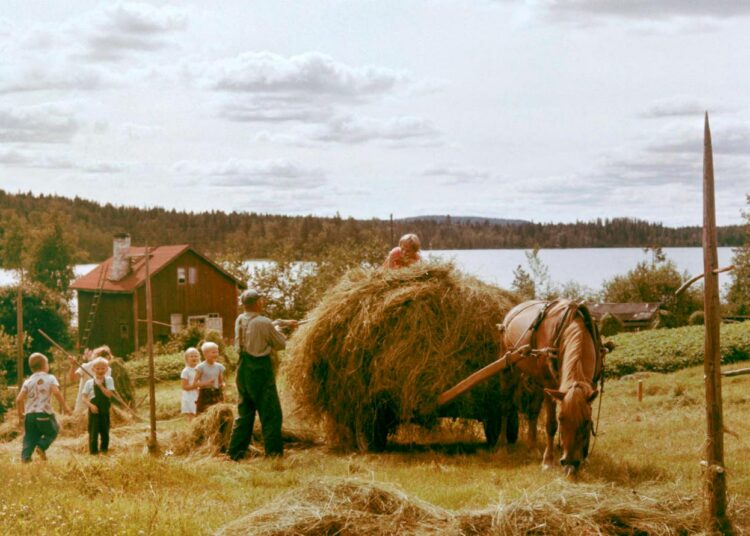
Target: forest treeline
89,226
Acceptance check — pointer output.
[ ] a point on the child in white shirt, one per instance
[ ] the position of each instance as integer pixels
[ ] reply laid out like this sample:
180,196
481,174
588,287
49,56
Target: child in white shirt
35,408
189,387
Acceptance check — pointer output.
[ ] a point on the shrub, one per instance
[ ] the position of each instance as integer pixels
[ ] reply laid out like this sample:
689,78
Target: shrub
697,319
655,282
43,309
610,325
167,367
673,349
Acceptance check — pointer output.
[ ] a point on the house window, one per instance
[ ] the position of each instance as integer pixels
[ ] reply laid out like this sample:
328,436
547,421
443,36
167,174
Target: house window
124,330
198,321
192,275
181,276
175,320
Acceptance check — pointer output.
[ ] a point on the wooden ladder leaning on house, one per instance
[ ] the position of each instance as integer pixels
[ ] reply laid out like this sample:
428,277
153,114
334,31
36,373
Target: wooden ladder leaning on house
94,307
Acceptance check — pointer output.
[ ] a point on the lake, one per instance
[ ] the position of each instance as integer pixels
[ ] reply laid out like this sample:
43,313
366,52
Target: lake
586,266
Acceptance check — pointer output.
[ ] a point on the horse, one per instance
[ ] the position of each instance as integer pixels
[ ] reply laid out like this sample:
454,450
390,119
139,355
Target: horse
563,366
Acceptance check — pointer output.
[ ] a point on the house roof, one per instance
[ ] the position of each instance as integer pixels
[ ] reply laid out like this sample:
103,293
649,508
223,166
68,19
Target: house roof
160,257
626,311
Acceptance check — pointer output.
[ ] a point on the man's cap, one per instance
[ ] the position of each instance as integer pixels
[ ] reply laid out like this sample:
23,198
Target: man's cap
250,296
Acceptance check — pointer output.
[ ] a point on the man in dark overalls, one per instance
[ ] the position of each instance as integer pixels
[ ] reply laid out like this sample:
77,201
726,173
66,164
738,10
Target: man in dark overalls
256,337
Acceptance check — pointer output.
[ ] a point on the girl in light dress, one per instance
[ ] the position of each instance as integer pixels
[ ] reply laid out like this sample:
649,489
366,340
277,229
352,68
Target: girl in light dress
189,387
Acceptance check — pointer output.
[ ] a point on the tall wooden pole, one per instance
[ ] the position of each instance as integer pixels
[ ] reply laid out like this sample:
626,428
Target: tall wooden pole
392,236
152,444
715,489
19,329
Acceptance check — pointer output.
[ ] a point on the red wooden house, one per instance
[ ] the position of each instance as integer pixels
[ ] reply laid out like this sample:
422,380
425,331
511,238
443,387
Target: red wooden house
187,288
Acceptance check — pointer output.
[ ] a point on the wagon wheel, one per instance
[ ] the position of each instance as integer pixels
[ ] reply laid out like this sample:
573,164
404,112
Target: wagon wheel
493,427
373,436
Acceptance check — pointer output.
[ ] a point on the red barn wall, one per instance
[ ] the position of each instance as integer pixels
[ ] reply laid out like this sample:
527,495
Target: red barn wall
113,322
213,292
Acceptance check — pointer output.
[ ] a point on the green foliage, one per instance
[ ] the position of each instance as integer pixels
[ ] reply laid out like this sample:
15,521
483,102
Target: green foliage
42,309
698,318
673,349
12,243
610,325
167,367
292,289
51,262
655,282
523,284
123,384
262,235
738,294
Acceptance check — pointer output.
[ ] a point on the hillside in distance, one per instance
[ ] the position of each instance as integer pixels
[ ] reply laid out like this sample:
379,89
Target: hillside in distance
90,225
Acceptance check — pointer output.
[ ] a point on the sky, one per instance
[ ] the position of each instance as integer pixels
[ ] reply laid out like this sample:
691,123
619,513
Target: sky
544,110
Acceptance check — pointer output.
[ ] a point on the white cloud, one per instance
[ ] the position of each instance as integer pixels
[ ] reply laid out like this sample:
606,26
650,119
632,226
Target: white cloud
276,174
394,132
118,29
679,107
12,157
310,73
644,9
40,123
79,53
398,131
452,174
269,87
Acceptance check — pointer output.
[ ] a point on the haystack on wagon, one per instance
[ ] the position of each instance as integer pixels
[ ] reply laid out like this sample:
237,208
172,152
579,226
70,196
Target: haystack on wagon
383,345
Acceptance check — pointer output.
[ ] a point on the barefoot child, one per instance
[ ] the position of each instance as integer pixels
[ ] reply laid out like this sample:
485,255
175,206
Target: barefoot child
189,387
97,393
35,409
209,378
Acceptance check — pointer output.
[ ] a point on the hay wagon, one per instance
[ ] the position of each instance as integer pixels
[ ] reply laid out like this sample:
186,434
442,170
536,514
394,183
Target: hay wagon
383,345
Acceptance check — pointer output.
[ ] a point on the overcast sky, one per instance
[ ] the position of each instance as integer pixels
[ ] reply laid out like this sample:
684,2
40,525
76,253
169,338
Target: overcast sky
539,109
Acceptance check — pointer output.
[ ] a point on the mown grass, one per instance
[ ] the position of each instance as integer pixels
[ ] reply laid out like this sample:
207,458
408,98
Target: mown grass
649,447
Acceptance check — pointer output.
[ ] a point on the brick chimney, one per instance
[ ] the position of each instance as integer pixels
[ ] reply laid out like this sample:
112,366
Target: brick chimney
120,266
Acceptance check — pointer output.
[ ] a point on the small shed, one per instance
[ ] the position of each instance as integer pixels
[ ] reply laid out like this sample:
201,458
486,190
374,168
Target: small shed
634,316
187,287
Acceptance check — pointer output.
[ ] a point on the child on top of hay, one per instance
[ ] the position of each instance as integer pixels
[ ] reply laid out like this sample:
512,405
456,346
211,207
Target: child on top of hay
97,393
79,373
189,387
256,337
209,378
405,254
35,409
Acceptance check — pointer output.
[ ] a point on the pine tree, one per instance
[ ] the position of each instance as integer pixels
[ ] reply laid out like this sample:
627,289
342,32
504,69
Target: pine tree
739,290
51,261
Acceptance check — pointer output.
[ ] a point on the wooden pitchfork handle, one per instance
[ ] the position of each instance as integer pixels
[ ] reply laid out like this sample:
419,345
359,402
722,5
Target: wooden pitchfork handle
71,356
509,358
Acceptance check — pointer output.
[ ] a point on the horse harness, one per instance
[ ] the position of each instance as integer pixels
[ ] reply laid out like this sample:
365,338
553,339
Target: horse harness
550,354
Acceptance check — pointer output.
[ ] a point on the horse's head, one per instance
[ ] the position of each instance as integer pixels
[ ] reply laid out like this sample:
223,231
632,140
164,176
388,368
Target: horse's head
574,419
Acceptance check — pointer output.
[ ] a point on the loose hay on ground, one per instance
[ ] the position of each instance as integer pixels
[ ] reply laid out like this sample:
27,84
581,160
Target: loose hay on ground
395,340
208,433
350,507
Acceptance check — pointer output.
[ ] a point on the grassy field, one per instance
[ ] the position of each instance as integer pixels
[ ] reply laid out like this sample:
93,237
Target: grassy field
652,448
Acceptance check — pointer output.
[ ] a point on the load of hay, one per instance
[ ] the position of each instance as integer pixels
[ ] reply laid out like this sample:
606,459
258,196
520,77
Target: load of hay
382,345
209,433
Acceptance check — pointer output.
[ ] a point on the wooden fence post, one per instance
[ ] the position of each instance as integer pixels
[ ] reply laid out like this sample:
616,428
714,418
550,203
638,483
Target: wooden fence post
153,446
19,330
714,488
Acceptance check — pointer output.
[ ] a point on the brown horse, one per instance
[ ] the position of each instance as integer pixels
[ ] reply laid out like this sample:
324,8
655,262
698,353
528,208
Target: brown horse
563,368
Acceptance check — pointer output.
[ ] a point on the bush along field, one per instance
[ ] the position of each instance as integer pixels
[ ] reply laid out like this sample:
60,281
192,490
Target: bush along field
643,475
668,350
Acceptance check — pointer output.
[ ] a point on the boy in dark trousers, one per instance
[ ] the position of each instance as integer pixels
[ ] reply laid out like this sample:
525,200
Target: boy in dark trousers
256,337
97,394
35,408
